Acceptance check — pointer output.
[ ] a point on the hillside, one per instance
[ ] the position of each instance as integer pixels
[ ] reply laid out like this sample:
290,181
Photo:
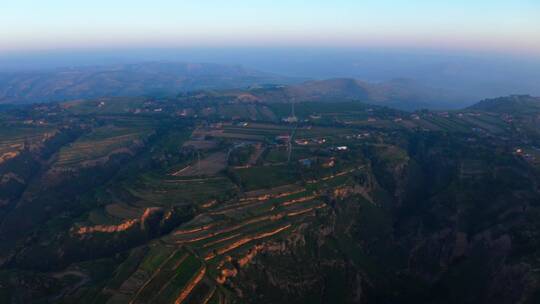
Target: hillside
154,78
400,94
159,79
515,104
137,200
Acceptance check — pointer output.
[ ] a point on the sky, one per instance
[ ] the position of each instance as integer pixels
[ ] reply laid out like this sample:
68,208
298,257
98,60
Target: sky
496,26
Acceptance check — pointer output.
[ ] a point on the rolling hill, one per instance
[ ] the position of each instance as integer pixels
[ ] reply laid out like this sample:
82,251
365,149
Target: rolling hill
398,93
515,104
159,79
401,94
152,78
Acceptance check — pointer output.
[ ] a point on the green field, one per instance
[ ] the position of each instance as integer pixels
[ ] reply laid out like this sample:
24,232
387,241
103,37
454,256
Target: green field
101,143
266,176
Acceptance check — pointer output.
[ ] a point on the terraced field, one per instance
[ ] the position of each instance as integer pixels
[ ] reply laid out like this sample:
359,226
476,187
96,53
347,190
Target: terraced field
14,139
109,106
465,123
190,264
208,166
177,190
100,144
158,274
231,189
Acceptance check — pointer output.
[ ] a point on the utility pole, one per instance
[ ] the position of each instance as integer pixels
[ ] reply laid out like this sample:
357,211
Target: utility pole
199,163
289,149
289,143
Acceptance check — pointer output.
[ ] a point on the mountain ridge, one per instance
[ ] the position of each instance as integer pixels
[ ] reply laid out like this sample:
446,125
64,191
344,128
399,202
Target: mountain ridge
402,94
128,80
509,104
161,79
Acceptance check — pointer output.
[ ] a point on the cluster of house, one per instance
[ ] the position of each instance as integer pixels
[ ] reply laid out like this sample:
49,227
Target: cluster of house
138,110
290,119
147,106
310,141
185,112
507,118
242,124
301,141
358,136
416,116
525,155
283,138
34,122
325,162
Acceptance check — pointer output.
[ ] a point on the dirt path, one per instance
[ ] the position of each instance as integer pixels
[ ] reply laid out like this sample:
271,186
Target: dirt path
244,241
208,166
187,290
256,155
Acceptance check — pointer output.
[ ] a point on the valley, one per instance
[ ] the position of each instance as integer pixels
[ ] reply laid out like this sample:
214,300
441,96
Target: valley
219,198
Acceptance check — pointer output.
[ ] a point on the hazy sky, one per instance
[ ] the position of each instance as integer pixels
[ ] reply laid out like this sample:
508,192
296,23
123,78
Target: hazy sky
492,25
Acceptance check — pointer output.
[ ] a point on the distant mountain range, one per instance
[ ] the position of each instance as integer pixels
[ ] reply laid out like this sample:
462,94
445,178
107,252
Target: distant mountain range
400,93
155,78
170,79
